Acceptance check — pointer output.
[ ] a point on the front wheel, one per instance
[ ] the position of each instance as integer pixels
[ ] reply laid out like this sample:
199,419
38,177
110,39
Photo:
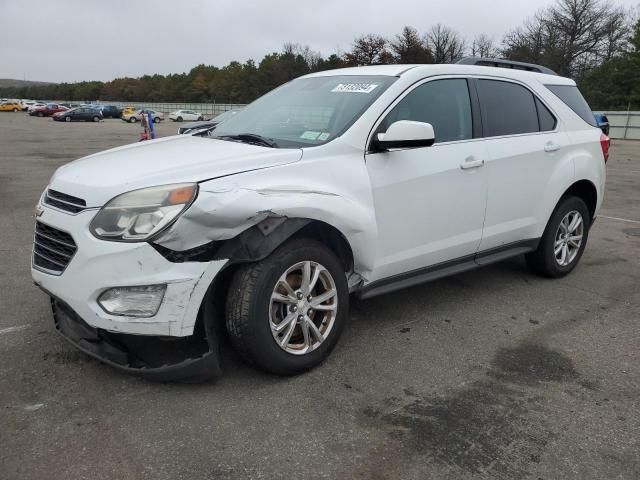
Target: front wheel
15,110
67,119
96,119
40,114
132,120
285,314
564,239
156,120
179,119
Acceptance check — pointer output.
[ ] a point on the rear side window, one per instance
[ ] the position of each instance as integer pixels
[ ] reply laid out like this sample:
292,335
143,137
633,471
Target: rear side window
445,104
507,108
572,97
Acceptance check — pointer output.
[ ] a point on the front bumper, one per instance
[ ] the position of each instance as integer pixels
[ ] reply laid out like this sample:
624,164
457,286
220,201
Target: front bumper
99,265
190,359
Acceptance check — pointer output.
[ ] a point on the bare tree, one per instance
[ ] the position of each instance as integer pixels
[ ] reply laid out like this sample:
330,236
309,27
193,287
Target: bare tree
571,36
483,46
445,44
311,57
616,41
370,49
408,47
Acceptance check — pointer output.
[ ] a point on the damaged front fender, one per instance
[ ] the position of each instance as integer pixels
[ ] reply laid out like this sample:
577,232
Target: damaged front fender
246,224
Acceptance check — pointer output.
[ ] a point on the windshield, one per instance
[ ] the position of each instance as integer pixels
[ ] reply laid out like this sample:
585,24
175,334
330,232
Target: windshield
305,112
225,116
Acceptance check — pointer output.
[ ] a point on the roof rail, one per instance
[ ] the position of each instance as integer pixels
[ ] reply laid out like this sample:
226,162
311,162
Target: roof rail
502,63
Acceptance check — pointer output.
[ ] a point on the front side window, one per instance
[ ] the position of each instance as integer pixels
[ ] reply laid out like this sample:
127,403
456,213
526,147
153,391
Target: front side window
507,108
306,111
445,104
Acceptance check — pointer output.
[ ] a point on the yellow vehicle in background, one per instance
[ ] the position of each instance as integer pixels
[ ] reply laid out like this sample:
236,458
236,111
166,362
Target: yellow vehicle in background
128,110
10,107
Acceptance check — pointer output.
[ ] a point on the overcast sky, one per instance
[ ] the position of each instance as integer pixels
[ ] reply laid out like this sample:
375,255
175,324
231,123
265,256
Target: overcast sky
72,40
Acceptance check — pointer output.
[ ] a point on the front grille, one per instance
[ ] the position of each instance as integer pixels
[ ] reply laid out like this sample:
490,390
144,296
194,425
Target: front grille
65,202
53,249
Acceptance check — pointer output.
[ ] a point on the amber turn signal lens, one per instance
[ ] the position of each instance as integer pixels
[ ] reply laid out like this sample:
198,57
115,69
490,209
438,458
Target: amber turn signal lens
181,195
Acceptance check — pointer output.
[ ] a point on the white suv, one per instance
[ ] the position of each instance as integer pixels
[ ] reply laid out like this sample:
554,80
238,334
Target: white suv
356,181
190,115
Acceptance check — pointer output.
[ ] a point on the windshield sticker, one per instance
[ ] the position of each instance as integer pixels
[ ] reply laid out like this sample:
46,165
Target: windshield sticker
355,88
323,136
309,135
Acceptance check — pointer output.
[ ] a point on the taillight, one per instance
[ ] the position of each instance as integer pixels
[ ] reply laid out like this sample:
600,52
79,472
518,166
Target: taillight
605,143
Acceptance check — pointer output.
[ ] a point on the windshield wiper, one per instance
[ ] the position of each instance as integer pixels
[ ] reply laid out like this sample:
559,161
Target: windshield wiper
252,138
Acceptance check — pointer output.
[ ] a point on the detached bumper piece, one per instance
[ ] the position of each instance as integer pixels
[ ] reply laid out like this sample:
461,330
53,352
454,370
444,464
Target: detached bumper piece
167,359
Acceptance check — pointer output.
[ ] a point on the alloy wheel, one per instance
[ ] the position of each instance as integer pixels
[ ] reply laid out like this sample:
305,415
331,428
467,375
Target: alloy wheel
303,307
568,238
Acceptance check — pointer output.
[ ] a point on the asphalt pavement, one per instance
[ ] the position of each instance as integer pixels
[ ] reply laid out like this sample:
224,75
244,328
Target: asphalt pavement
490,374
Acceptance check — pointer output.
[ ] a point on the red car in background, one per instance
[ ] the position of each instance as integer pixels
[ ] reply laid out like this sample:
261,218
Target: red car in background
48,110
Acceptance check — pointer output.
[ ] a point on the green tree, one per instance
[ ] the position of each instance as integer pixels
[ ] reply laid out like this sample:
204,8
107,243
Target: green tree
615,85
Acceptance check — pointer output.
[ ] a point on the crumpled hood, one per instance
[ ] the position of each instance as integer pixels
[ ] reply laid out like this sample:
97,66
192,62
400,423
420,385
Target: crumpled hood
181,158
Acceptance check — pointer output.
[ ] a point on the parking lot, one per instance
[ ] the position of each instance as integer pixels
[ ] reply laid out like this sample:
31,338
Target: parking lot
494,373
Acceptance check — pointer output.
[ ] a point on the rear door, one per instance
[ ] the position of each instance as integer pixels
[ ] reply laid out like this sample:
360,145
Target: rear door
430,201
524,147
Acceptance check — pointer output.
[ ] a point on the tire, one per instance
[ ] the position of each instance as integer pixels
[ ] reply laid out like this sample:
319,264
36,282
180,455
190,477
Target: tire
15,110
156,120
179,119
250,310
544,261
40,114
133,120
96,119
67,119
200,119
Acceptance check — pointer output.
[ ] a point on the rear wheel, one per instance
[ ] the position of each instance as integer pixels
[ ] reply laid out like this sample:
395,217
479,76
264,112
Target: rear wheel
564,239
156,120
40,114
179,119
286,313
96,119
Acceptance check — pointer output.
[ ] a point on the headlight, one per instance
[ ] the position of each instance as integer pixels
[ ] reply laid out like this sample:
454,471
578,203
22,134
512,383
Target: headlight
139,215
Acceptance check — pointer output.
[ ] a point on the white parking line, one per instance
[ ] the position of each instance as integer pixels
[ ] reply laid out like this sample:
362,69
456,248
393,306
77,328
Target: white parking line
13,329
620,219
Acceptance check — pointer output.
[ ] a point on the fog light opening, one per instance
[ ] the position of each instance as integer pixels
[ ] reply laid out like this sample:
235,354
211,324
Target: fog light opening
138,301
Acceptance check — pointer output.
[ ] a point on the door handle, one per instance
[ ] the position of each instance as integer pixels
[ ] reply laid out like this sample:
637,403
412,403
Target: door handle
471,163
551,147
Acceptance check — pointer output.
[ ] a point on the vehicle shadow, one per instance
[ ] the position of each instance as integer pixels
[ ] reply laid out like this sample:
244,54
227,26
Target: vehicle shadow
395,310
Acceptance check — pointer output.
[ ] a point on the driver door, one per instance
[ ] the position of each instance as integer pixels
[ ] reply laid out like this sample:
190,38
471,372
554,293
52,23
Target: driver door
430,201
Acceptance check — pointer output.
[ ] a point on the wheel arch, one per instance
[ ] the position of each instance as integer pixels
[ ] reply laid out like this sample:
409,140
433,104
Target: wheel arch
245,243
260,240
585,190
332,238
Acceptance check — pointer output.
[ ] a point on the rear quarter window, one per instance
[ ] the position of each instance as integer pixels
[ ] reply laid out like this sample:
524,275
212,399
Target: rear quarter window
572,97
547,120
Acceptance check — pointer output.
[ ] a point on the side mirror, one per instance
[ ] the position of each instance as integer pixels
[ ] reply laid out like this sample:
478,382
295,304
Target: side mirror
405,134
